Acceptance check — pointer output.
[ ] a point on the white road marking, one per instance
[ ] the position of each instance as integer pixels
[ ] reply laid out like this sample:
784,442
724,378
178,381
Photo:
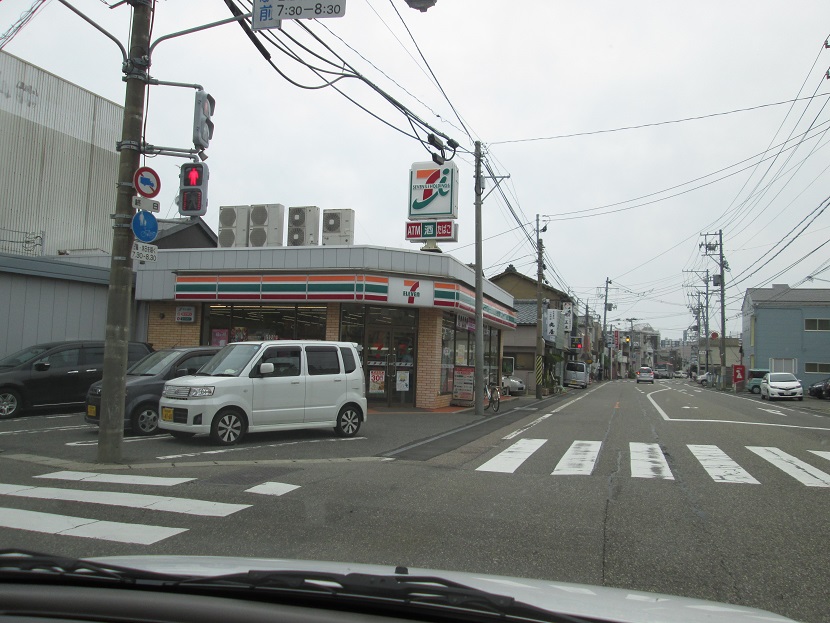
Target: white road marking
94,442
272,488
665,416
798,469
720,466
126,479
647,461
52,429
64,525
509,460
823,454
579,460
204,508
519,431
773,411
247,448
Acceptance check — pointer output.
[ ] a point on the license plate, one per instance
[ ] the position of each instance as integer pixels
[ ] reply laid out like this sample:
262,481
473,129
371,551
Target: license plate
91,411
167,414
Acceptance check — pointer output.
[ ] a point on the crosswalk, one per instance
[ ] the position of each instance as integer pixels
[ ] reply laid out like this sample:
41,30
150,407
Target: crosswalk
139,533
648,461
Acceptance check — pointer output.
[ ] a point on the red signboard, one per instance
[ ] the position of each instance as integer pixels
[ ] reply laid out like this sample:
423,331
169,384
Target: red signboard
738,374
431,230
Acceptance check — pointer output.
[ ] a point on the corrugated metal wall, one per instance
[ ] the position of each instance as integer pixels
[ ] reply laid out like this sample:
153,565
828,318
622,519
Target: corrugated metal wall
58,164
34,310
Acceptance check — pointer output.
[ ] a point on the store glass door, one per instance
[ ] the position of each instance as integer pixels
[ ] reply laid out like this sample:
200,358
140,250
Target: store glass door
390,367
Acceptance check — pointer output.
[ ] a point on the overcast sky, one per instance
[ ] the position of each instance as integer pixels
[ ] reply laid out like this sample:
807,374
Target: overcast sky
553,90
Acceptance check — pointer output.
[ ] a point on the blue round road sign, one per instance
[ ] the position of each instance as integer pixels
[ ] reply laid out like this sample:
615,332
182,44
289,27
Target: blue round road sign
145,226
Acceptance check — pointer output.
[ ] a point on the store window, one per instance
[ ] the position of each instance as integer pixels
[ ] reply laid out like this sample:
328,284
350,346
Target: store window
447,352
238,323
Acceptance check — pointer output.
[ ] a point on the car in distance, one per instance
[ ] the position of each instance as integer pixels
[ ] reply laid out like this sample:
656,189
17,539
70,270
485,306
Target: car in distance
781,385
645,375
819,388
754,376
144,384
54,375
511,385
269,386
705,379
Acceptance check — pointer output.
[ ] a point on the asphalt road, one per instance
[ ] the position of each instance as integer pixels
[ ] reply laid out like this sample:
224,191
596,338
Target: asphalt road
667,487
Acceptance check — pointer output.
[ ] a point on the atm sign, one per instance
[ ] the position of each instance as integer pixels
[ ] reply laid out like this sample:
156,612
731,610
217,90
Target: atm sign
432,230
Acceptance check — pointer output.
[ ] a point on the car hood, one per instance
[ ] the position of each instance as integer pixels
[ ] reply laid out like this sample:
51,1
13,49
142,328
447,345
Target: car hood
611,604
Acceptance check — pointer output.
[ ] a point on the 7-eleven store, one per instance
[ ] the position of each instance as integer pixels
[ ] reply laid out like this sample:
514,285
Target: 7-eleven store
412,312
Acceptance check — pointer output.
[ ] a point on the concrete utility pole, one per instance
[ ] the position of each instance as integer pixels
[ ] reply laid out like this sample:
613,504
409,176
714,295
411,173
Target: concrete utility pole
604,322
119,299
540,339
479,339
722,313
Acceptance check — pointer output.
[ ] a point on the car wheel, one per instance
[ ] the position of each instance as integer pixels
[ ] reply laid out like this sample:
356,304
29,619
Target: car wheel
801,397
180,434
10,403
756,390
228,427
145,419
348,422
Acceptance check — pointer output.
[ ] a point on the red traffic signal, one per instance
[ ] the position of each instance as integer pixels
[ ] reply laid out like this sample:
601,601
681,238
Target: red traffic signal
193,182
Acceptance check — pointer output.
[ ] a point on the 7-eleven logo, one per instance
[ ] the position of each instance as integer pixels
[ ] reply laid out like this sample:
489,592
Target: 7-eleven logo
410,290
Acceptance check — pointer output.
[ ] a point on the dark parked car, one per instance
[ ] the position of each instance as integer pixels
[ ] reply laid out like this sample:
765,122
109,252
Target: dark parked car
54,375
819,388
145,382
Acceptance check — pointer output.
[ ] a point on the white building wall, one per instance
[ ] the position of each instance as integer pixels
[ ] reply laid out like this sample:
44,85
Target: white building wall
58,164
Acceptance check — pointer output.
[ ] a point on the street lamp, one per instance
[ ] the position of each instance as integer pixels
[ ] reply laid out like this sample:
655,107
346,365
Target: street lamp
421,5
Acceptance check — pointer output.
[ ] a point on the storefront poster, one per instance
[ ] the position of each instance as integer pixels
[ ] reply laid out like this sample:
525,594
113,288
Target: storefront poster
463,383
402,381
377,381
240,334
219,337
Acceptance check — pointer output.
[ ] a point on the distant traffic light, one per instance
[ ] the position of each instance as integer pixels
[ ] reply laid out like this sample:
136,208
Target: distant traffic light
576,343
202,121
627,339
193,184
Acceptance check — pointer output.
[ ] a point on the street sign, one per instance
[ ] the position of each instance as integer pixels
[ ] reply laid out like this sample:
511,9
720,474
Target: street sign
145,226
268,13
147,182
144,252
738,374
143,203
432,230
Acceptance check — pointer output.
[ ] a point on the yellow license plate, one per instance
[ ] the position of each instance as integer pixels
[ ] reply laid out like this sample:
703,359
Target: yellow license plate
91,411
167,414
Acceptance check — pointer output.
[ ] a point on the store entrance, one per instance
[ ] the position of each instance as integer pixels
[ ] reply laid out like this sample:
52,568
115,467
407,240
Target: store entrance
390,366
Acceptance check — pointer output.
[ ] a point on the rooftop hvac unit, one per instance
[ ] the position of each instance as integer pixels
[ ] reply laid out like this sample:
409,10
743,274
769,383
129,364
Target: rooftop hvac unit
233,226
303,226
338,227
265,225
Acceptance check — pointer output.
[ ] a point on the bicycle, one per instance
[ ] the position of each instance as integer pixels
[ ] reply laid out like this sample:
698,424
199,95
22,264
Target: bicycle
492,398
556,388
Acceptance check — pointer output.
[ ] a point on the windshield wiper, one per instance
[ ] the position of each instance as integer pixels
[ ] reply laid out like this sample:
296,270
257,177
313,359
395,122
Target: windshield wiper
399,592
428,592
23,564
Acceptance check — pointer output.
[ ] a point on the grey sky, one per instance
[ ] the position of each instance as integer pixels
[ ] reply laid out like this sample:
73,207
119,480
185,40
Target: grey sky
541,68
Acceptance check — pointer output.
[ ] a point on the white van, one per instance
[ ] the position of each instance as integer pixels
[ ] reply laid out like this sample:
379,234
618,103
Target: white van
576,373
268,386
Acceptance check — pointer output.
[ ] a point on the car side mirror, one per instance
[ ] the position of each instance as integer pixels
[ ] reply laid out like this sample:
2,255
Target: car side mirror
42,366
181,372
266,368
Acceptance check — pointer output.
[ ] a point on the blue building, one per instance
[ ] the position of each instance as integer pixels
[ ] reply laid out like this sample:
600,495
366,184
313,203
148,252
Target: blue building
788,330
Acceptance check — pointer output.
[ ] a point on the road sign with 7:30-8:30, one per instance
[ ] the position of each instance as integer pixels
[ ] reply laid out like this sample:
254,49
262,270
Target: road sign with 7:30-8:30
268,13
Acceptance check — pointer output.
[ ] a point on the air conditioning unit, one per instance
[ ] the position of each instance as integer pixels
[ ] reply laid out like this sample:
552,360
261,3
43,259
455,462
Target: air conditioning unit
265,225
338,227
303,226
233,226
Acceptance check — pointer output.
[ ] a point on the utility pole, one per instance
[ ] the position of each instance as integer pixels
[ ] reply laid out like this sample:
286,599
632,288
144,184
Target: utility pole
706,301
479,339
715,249
119,298
540,339
604,322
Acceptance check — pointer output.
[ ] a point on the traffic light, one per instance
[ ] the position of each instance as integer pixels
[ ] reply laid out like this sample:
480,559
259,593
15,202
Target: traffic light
202,122
627,339
193,184
576,343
